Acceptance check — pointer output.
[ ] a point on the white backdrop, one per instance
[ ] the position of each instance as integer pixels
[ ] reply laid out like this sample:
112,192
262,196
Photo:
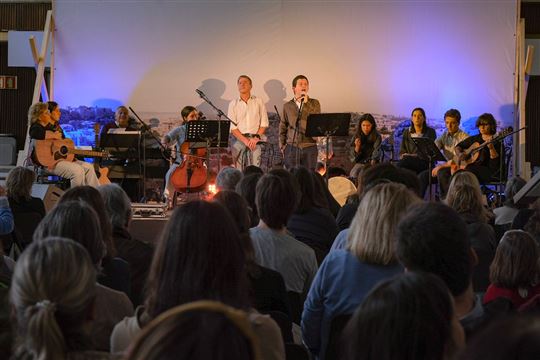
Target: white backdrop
384,57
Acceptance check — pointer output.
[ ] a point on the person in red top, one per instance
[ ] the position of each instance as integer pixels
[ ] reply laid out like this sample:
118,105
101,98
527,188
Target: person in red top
515,271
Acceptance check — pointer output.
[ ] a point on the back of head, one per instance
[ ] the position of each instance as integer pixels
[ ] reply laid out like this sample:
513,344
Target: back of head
276,198
92,197
77,221
19,183
198,257
408,317
465,196
513,185
199,330
519,340
516,261
228,178
252,169
433,238
52,292
246,188
371,237
386,172
306,188
237,207
117,204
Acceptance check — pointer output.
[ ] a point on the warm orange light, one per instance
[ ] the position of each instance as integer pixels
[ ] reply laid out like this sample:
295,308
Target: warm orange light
212,189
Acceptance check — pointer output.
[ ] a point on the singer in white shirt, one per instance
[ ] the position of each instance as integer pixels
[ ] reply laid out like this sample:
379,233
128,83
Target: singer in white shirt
251,118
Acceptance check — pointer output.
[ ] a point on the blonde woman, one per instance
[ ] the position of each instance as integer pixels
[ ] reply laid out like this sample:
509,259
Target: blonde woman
465,196
347,275
44,126
52,293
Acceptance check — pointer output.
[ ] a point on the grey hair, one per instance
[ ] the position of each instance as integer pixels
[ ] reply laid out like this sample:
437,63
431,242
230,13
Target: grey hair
52,290
117,204
513,185
35,111
228,178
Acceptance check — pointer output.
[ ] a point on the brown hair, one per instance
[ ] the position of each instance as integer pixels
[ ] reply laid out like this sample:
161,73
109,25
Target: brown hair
35,111
19,183
516,261
465,196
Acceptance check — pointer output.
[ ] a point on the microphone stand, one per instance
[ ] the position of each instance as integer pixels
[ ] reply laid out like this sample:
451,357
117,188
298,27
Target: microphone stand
296,140
220,114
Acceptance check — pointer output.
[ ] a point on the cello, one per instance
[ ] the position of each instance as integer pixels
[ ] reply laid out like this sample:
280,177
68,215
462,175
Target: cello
191,175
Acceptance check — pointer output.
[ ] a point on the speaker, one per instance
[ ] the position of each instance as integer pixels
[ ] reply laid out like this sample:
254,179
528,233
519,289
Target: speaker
49,193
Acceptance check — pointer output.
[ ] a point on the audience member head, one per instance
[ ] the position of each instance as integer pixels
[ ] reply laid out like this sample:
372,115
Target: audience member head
408,317
246,188
465,196
516,261
198,257
321,195
306,189
276,198
92,197
371,237
197,331
227,178
488,120
433,238
386,172
252,169
533,224
117,204
52,293
37,111
513,185
74,220
19,183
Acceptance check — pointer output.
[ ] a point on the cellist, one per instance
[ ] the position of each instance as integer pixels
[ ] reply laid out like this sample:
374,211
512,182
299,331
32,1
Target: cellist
177,136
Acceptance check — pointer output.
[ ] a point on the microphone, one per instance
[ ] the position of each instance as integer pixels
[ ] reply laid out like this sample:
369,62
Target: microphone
201,94
201,116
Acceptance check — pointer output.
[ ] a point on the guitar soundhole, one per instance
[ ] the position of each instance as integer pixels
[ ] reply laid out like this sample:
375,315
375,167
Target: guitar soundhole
63,150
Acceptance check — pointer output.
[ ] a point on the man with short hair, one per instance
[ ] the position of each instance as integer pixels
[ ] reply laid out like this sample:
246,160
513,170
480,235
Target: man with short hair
297,149
447,142
249,114
433,238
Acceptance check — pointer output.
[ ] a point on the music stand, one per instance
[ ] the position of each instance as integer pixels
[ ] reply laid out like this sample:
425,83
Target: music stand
326,125
428,150
208,133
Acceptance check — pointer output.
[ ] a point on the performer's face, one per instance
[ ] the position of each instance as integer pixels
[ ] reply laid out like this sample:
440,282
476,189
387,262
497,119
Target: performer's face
122,118
244,86
366,127
302,87
55,114
417,118
484,128
194,115
452,124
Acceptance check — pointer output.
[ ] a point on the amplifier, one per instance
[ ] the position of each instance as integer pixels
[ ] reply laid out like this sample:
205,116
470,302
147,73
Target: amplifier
140,210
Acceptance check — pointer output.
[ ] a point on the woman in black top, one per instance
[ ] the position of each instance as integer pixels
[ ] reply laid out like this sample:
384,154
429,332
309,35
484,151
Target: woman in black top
366,145
410,158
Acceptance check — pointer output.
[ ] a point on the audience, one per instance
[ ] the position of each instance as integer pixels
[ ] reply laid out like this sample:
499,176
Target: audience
137,253
199,330
515,271
505,214
532,226
409,317
465,196
311,222
227,178
53,294
115,272
347,275
78,221
195,261
246,188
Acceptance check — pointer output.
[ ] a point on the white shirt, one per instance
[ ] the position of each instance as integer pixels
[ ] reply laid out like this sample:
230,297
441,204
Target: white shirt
249,116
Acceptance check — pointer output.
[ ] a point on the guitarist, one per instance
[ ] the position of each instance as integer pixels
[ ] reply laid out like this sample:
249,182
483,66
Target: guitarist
44,119
488,161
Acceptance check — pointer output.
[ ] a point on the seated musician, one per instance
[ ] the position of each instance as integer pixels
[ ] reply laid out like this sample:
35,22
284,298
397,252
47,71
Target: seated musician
44,126
366,145
489,157
447,142
410,158
177,136
121,121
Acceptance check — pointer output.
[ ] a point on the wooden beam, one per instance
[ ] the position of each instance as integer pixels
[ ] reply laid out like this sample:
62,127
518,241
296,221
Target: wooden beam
35,55
42,54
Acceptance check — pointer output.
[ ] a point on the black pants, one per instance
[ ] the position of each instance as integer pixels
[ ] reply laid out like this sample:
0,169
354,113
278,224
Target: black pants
307,157
443,179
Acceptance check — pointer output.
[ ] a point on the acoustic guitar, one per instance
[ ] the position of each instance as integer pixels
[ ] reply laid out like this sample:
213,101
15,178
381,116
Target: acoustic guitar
472,153
49,152
101,172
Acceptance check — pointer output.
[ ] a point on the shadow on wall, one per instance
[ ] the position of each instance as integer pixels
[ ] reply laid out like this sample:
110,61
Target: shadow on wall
214,90
277,93
107,103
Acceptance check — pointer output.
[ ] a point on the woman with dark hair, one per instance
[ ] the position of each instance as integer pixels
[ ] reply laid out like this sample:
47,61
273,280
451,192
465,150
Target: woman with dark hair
311,223
515,270
246,188
53,292
77,220
195,261
409,317
408,152
323,196
115,271
489,158
199,330
267,286
176,137
366,144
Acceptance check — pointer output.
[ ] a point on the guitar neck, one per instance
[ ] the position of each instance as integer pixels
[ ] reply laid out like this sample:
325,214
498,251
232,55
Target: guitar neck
88,153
